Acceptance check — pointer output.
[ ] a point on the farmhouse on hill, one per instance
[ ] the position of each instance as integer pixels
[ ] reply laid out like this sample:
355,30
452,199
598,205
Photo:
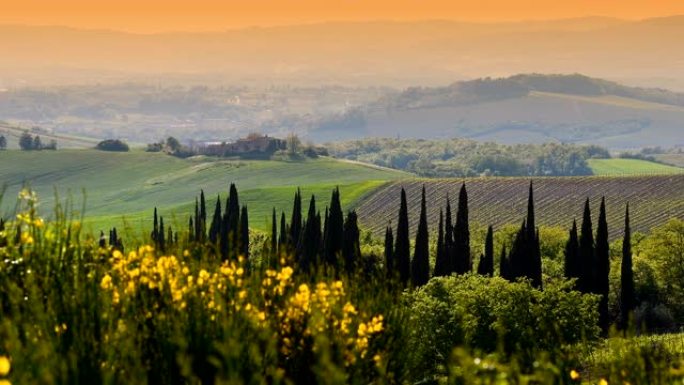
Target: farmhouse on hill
253,144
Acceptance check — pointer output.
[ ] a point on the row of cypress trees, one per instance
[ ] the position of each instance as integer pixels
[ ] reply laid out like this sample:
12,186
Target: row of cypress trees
453,254
587,259
227,233
331,241
115,242
453,244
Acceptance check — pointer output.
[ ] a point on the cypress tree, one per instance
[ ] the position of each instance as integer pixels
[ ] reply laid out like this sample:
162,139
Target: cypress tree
572,265
224,234
274,234
296,220
309,242
282,242
517,258
102,243
234,222
442,259
420,267
112,238
191,230
334,230
198,221
169,236
215,227
586,252
449,238
389,252
627,291
402,247
244,234
203,216
115,241
505,266
486,266
155,228
532,246
602,269
161,241
461,255
481,265
318,236
351,247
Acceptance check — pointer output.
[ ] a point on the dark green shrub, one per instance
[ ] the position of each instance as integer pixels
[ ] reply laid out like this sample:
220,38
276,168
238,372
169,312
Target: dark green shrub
494,315
112,145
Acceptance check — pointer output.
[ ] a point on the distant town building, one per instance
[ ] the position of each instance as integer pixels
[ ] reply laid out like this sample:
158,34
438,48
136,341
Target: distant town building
254,144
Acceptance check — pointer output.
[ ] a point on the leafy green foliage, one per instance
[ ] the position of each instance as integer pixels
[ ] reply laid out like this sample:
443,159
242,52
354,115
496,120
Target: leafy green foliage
493,315
664,251
464,157
115,145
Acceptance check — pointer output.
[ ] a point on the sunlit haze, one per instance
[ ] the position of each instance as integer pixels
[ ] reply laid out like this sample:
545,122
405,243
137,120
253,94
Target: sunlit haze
147,16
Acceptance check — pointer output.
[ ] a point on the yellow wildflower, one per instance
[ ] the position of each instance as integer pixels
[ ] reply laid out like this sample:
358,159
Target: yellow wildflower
106,283
5,366
574,375
603,381
26,239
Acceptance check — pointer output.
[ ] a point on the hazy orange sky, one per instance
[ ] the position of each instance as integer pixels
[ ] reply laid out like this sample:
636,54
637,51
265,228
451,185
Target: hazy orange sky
209,15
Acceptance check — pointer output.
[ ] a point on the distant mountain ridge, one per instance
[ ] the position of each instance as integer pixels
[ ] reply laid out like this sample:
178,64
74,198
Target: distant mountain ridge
526,108
399,54
488,89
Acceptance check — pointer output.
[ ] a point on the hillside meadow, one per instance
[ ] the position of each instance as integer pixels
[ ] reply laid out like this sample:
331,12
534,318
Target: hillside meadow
124,187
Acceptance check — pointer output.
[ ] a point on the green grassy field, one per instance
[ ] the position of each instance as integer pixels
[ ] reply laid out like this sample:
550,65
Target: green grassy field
12,133
617,167
124,187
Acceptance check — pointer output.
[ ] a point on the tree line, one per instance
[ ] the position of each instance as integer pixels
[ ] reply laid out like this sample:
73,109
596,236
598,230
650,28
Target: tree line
330,241
464,157
28,142
586,257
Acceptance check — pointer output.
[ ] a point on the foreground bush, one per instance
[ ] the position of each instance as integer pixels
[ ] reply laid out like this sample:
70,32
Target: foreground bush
493,315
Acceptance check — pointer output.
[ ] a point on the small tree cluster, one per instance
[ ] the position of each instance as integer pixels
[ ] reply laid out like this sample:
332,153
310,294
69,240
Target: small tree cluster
114,145
330,241
587,259
28,142
524,260
453,244
114,241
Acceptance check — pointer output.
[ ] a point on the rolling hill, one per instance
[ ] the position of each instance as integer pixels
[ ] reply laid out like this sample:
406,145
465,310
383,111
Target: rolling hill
501,201
12,133
127,186
530,108
122,188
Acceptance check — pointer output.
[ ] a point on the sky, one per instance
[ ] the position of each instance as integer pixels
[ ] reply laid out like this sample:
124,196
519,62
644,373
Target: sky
150,16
